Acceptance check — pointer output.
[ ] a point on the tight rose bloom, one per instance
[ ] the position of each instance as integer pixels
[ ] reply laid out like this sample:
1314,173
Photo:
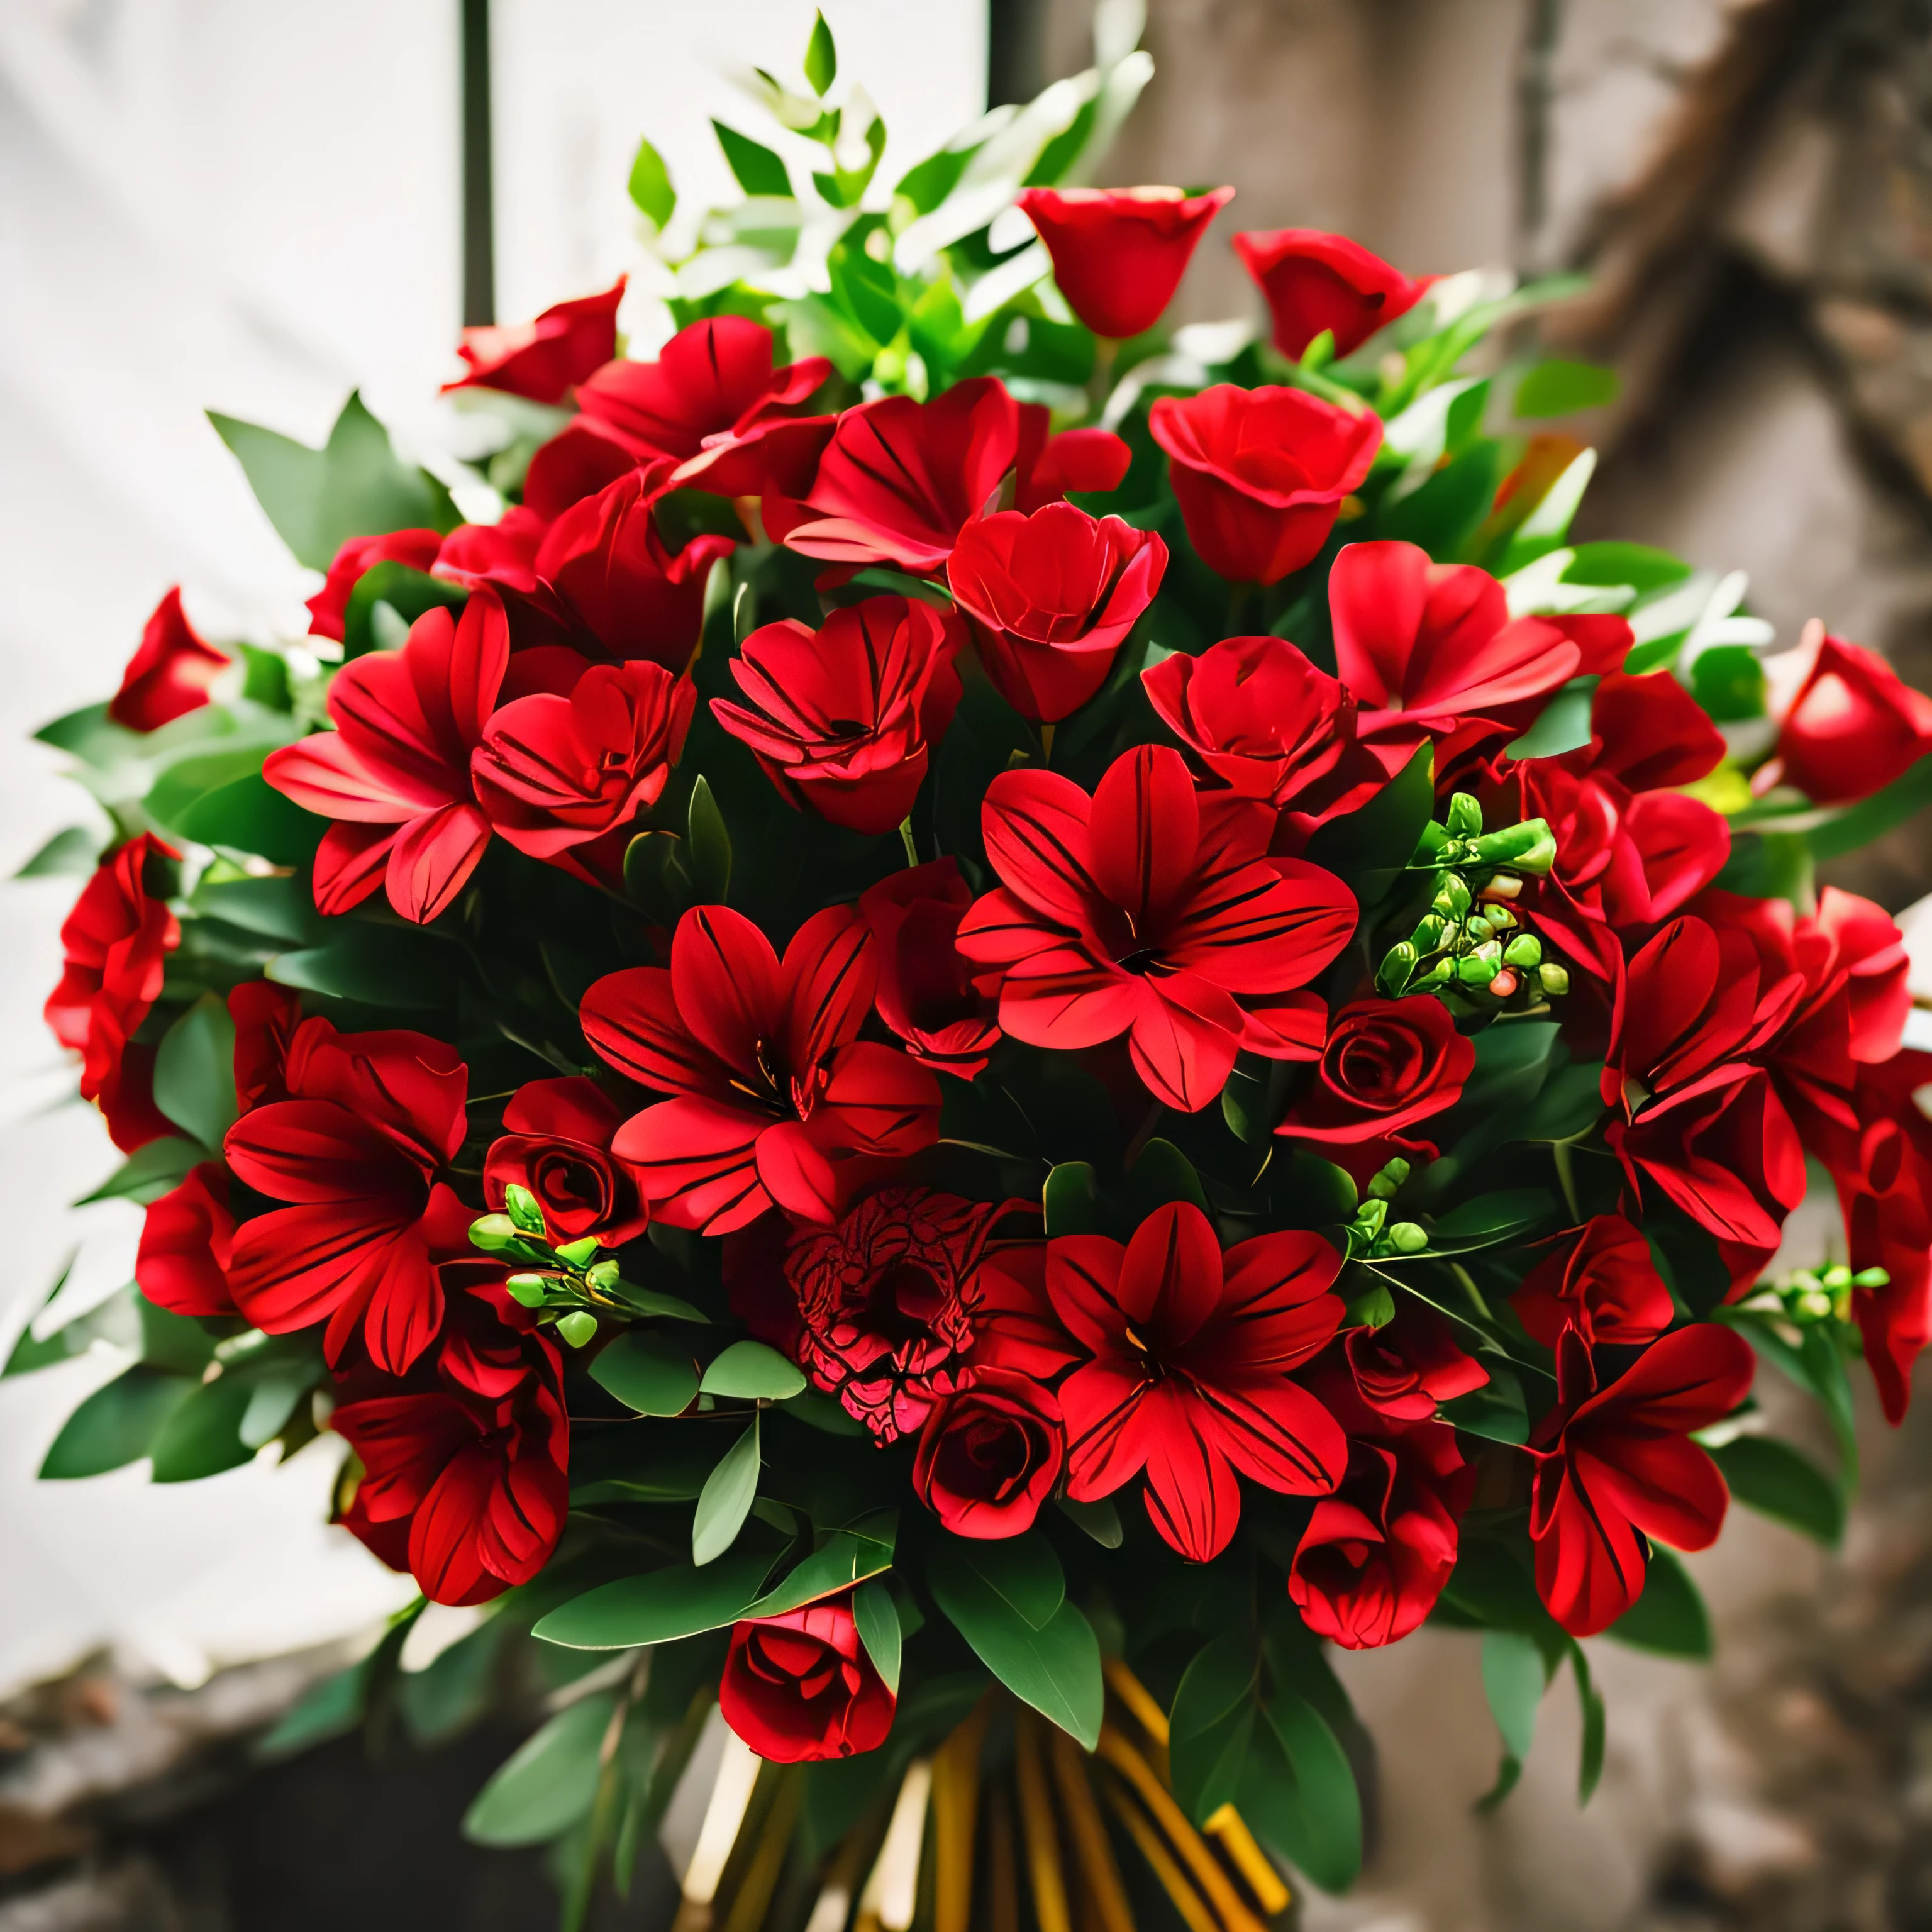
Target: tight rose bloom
416,550
800,1687
926,993
1853,727
543,360
1051,598
1389,1065
991,1456
1314,281
1405,1369
1261,473
1599,1280
169,674
555,1142
186,1241
845,719
1119,253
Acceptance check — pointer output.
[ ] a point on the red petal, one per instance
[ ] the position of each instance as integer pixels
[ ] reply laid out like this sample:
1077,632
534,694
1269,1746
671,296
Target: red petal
1035,826
830,975
797,1175
1145,827
725,981
631,1020
432,859
695,1161
1170,1275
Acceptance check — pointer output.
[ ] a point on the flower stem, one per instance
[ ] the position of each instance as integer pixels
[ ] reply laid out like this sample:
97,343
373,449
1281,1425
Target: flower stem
1046,744
1559,1152
905,838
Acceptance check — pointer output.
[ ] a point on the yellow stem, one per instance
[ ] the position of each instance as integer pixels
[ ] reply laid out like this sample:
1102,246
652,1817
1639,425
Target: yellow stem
1036,1821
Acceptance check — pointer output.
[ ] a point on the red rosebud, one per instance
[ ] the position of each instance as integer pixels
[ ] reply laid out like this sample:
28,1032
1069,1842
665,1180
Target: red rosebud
543,359
844,719
800,1687
1051,598
926,993
1261,473
1615,1461
169,674
1119,253
1387,1065
556,1143
1314,280
186,1240
114,942
328,608
1599,1280
1853,727
394,774
1406,1369
990,1455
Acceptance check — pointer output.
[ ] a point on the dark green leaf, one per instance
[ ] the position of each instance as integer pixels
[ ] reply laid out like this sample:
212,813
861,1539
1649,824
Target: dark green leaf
756,169
1448,510
408,594
280,908
1590,1754
1515,1676
1368,848
751,1372
651,191
116,1425
1669,1618
1210,1725
1313,1191
1571,1100
821,57
1071,1201
194,1071
1298,1790
1779,1481
656,877
658,1606
1728,681
1100,1519
113,1320
841,1561
75,852
549,1784
329,1709
1021,1571
878,1617
825,1412
184,782
250,815
377,965
148,1172
648,1373
1162,1173
1904,798
1496,1411
726,1499
1562,725
455,1689
1493,1217
178,1343
708,852
1562,389
203,1436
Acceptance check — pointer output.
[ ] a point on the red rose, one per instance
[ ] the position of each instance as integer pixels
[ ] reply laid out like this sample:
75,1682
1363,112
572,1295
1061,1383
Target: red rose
926,993
1405,1369
169,674
1853,727
394,774
115,941
844,719
1388,1064
543,359
328,609
1119,253
1599,1280
465,1463
266,1018
1615,1461
556,1143
800,1687
1151,911
1261,473
1314,281
991,1456
186,1241
1051,598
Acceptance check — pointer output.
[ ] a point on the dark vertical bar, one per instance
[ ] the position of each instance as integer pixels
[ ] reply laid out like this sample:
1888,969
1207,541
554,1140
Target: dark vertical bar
1015,50
479,218
1535,93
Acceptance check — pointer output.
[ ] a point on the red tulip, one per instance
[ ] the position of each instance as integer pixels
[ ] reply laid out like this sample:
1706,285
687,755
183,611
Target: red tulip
186,1241
1261,473
1119,253
544,359
800,1687
1853,727
1051,598
1314,281
1599,1280
991,1456
394,774
844,719
1149,910
1388,1065
328,609
1615,1461
169,674
774,1090
926,993
555,1143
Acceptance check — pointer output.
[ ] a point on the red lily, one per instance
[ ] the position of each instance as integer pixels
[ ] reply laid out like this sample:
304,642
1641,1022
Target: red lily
168,676
541,359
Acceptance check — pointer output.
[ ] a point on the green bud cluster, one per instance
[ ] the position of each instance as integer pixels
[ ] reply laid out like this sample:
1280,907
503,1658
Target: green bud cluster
1808,1296
564,1284
1372,1234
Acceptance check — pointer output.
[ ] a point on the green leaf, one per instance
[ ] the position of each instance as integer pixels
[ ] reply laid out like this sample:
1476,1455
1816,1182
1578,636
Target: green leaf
549,1784
1562,725
407,594
194,1071
1590,1754
751,1372
249,815
265,678
1496,1411
1669,1618
1514,1678
1368,849
1055,1669
1728,681
178,1343
1315,1191
203,1436
647,1373
330,1709
112,1320
376,965
184,782
280,908
1495,1217
1316,1823
455,1690
726,1499
148,1172
1160,1175
1638,565
1904,798
1071,1200
73,853
756,169
1100,1519
1779,1481
659,1606
1562,389
1210,1726
352,487
116,1425
843,1560
1022,1571
821,57
272,1400
825,1412
878,1617
651,191
657,879
708,851
1571,1100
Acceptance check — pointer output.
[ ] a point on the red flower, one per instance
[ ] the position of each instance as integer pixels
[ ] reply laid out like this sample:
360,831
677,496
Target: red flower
557,774
469,1460
169,674
884,1303
1405,1369
1615,1461
556,1143
1853,727
356,1148
186,1241
543,359
1119,253
1388,1065
1183,1357
990,1455
115,941
1150,910
800,1687
266,1018
925,993
844,719
774,1089
328,609
1314,281
394,774
1051,598
1261,473
1599,1280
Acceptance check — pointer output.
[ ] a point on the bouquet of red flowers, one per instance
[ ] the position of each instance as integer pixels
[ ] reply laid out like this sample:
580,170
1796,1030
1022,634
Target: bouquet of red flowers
967,1022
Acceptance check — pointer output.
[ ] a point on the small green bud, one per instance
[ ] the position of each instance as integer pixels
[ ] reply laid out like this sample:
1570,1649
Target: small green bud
1452,897
1477,930
1539,857
602,1276
530,1289
576,1253
1428,933
492,1232
1872,1277
1370,1216
1389,1180
578,1327
1373,1308
1438,975
1501,918
1465,816
1478,969
1525,949
521,1206
1407,1238
1516,845
1554,979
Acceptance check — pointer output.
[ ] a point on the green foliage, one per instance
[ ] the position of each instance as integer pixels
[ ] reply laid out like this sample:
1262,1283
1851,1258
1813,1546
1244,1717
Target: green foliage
878,1617
658,1606
116,1425
751,1372
1669,1618
73,853
754,166
726,1499
548,1783
1563,388
1781,1482
194,1072
646,1373
650,187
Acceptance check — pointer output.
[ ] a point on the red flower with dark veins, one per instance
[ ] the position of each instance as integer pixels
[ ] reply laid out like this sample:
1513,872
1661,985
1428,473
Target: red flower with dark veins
925,992
1406,1369
168,676
542,360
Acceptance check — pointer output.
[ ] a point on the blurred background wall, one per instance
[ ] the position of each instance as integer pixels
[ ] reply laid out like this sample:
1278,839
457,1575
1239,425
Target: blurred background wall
251,205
